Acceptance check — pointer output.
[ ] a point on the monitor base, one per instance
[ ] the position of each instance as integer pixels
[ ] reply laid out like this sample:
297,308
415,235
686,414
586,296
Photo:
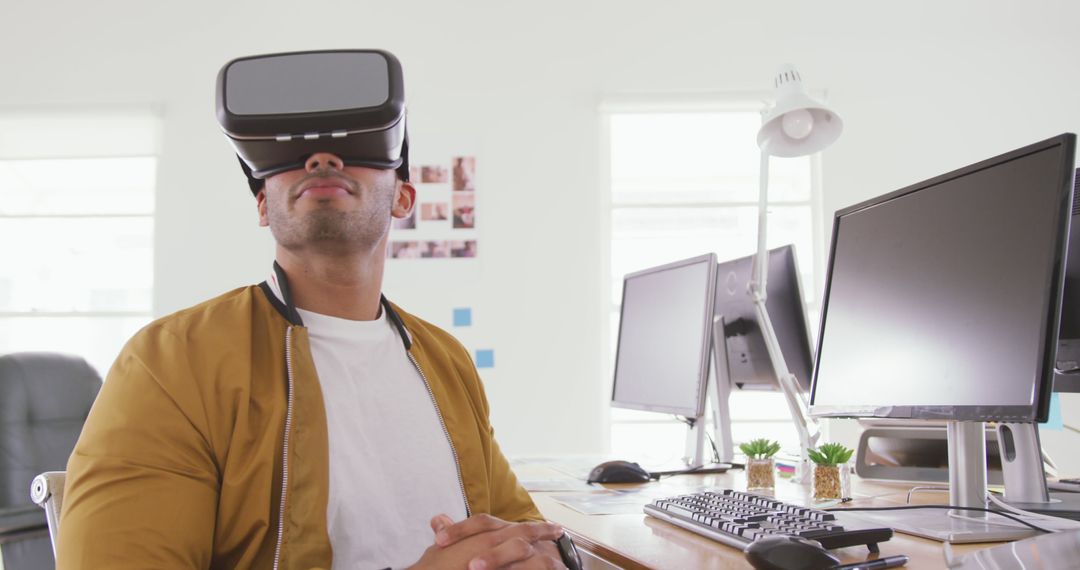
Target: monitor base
1063,505
945,527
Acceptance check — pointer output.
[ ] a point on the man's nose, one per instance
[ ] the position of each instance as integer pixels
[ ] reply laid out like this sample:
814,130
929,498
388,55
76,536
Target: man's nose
322,161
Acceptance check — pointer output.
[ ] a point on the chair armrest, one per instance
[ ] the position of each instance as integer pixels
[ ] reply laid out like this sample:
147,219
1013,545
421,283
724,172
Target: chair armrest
47,491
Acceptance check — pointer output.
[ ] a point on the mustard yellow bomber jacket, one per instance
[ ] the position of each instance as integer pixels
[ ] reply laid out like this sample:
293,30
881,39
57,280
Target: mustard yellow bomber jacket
207,446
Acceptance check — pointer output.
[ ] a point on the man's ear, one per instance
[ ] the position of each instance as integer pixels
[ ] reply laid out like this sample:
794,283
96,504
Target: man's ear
404,200
260,204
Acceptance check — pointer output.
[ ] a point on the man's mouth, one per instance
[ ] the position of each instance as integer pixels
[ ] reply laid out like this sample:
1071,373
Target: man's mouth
323,191
324,187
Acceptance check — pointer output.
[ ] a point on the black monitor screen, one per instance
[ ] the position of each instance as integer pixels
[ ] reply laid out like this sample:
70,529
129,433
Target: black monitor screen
942,298
748,360
665,332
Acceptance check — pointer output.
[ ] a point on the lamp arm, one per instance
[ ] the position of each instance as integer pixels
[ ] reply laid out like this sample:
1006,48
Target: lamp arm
759,271
808,428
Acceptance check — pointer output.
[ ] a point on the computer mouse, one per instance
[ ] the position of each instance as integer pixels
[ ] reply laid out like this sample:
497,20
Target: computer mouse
789,553
619,472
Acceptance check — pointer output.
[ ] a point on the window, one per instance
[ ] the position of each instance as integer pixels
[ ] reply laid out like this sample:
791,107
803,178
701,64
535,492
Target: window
77,224
683,182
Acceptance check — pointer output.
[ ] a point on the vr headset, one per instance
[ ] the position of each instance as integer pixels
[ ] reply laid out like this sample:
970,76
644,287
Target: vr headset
279,109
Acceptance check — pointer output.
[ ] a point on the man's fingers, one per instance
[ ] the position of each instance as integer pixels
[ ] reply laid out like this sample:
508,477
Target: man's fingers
439,522
532,531
507,552
546,557
521,545
475,524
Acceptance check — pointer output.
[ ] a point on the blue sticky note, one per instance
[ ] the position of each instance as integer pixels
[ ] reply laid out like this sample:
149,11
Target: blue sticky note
463,317
485,358
1054,421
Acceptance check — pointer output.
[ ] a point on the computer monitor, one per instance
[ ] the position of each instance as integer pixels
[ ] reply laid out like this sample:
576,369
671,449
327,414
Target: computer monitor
749,366
942,302
1067,378
665,329
941,299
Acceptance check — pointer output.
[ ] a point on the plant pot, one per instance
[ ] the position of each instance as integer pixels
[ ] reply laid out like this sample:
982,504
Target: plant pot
832,482
761,474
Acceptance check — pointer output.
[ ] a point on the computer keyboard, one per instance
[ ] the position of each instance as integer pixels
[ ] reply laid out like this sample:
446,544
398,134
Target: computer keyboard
737,519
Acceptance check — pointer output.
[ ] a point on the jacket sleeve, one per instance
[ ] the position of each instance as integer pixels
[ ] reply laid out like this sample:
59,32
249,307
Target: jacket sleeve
142,482
509,500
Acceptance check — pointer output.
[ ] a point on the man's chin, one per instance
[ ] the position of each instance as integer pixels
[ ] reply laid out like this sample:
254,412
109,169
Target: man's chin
329,231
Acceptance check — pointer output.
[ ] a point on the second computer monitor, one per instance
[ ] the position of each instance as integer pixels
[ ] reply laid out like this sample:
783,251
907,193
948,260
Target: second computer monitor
748,359
662,360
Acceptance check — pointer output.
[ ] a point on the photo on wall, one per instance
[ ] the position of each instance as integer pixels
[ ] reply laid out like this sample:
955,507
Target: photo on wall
405,250
464,210
466,248
435,249
464,173
434,174
434,211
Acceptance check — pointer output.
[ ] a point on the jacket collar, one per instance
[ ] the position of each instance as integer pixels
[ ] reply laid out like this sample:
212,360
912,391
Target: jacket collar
288,309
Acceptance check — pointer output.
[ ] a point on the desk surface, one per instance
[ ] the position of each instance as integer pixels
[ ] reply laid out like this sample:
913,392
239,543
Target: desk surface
640,541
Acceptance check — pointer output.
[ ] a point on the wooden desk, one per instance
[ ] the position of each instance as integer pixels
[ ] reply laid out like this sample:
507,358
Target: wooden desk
640,541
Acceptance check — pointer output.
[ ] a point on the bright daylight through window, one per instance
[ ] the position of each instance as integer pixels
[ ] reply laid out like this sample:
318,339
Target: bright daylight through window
684,183
77,224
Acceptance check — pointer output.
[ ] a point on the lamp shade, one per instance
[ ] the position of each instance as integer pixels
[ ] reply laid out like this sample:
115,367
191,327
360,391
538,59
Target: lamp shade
797,125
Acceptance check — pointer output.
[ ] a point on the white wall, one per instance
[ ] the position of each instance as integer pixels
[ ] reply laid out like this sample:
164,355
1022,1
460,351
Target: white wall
923,87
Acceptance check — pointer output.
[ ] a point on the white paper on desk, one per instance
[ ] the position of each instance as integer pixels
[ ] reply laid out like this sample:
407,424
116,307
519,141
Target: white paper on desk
556,484
606,502
613,501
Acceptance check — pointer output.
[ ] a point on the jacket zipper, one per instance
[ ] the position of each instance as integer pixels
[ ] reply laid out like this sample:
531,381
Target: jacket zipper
446,432
285,453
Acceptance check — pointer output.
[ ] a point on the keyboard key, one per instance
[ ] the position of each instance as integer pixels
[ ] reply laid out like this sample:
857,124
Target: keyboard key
679,509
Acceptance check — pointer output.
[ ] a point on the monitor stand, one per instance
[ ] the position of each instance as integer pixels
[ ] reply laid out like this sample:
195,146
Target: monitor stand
718,392
967,488
1025,479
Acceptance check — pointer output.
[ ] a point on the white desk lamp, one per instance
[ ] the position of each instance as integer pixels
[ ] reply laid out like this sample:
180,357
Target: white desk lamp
796,125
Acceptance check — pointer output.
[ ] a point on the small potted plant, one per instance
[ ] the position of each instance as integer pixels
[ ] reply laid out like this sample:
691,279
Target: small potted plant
832,479
760,465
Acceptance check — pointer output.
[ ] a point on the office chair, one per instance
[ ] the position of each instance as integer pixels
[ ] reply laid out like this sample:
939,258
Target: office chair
44,401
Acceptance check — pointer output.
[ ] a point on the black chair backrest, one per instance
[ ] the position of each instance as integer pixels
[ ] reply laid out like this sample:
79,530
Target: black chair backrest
44,401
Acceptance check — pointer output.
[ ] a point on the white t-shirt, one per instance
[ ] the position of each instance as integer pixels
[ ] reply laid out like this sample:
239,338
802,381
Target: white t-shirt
391,467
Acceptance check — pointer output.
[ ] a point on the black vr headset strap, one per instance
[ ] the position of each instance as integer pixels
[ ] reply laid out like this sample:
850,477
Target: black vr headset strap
403,170
283,284
397,322
253,182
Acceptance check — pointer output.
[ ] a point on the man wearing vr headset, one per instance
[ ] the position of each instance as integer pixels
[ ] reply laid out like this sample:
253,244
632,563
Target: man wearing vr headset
306,422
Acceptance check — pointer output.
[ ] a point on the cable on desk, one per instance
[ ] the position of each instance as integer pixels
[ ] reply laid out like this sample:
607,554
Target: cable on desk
700,469
949,507
715,452
1021,512
691,422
